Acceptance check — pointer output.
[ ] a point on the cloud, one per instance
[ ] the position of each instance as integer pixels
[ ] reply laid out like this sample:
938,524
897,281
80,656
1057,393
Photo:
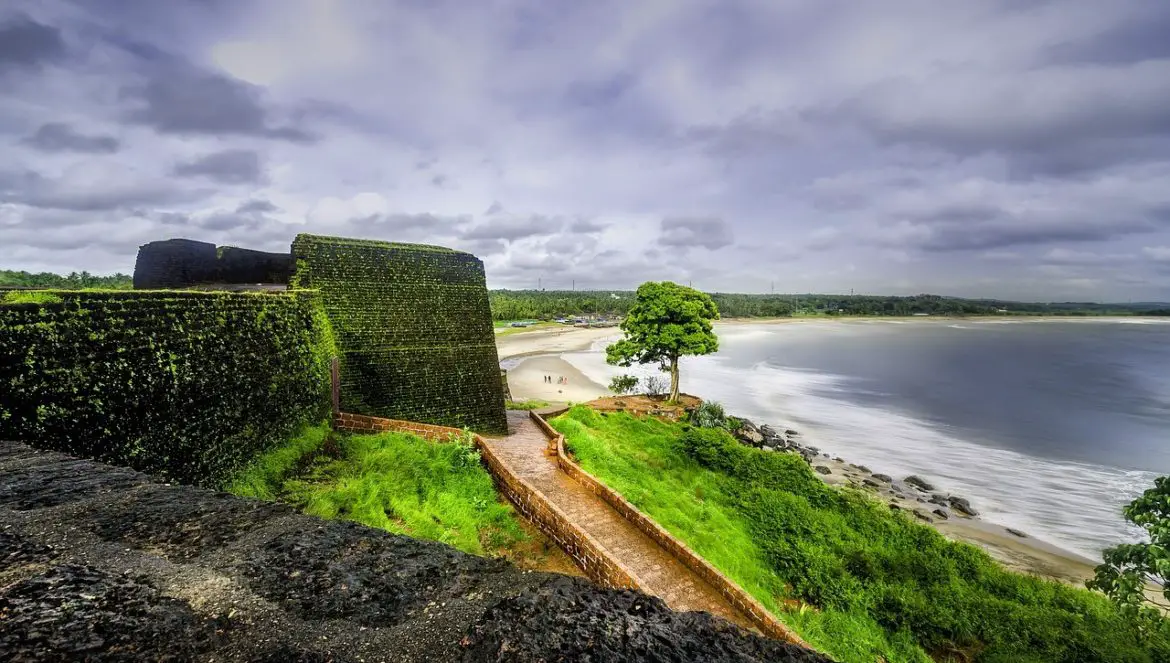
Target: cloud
178,98
513,228
257,206
226,167
27,44
1157,253
687,232
60,137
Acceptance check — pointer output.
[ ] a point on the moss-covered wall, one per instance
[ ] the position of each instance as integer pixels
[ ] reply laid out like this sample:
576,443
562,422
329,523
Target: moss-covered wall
413,326
189,385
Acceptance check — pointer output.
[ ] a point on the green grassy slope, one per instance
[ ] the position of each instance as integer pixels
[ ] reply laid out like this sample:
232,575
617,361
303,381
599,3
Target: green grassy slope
873,583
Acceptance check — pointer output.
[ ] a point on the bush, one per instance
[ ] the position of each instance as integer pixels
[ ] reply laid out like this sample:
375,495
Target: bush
709,415
656,386
623,384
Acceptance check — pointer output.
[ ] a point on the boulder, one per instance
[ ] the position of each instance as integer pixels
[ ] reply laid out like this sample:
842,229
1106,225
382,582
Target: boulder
871,483
941,513
768,448
821,469
749,434
919,482
883,477
961,505
922,515
1017,533
791,433
864,469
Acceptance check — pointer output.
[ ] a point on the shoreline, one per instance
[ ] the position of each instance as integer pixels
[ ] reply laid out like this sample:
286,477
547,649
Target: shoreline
540,353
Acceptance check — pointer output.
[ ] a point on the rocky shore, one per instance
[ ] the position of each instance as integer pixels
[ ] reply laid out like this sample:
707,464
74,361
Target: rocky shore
100,563
953,515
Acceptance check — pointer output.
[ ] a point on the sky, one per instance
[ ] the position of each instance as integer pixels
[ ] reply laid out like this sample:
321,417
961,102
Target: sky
1004,148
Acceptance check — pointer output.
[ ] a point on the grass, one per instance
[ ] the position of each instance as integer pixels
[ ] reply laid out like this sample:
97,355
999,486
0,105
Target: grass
393,481
505,328
531,404
874,584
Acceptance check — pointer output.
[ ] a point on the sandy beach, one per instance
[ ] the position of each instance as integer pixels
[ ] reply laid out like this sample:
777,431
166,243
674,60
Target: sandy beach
538,352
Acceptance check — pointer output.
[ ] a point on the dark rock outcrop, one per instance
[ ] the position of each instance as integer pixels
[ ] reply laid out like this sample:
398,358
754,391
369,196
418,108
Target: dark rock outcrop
963,506
919,482
100,563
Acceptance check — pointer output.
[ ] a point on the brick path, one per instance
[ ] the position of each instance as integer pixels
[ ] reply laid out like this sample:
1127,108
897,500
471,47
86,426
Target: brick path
523,451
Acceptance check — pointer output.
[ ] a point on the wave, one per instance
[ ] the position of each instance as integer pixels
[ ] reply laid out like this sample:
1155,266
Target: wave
1074,505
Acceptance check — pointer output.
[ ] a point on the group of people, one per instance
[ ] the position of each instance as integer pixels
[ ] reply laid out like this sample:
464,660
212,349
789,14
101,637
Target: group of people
560,380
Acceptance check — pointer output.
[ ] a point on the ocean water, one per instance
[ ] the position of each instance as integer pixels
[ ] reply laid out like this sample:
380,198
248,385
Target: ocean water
1046,426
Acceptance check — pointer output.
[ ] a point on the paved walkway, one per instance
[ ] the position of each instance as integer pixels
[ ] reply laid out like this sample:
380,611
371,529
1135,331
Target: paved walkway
523,450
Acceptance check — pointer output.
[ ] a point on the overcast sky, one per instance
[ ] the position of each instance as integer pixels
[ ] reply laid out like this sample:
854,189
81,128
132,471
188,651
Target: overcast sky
1010,148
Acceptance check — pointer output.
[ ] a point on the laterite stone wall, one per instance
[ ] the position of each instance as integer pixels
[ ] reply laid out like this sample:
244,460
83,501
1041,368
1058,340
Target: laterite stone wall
413,326
187,385
183,263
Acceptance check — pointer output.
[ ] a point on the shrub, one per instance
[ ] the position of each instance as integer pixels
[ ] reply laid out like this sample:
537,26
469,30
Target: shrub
623,384
656,386
709,415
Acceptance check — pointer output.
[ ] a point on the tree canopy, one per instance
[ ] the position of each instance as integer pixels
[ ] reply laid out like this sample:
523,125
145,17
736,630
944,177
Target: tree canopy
666,321
1130,568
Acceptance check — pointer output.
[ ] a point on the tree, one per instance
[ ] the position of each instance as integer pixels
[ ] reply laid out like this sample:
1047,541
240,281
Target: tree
1130,567
666,321
623,384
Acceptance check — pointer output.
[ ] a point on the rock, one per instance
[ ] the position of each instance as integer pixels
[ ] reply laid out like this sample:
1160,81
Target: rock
941,513
940,500
864,469
768,432
871,483
961,505
883,477
922,515
791,433
825,455
768,448
895,507
1017,533
821,469
841,460
919,482
749,434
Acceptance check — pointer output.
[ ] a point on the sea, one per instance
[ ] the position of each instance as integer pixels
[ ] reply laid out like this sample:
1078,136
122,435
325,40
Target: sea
1047,426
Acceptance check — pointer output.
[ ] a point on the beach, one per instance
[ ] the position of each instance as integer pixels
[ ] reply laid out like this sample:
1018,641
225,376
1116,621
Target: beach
530,356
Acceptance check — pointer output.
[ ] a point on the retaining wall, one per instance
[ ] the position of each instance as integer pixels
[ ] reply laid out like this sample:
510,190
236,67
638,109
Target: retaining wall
585,551
732,592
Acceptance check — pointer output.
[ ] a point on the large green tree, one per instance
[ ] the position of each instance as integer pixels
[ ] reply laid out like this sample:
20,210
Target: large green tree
1132,569
666,321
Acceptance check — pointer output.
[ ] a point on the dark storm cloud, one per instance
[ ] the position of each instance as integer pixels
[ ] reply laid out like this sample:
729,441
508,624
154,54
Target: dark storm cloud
709,232
24,43
587,226
513,228
87,194
1142,38
179,98
947,233
60,137
257,206
494,208
226,167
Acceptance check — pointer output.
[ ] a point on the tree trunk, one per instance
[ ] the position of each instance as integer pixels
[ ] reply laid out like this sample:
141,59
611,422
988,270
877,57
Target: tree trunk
674,379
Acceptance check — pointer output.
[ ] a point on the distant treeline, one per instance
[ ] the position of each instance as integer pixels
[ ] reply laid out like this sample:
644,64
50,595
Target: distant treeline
74,281
541,304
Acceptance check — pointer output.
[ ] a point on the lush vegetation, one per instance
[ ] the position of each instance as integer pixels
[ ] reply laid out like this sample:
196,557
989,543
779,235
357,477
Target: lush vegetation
189,385
74,281
1130,569
666,322
531,404
874,584
413,327
547,305
393,481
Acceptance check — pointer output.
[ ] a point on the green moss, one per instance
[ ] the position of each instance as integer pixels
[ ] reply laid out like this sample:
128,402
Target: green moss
188,385
532,404
878,585
31,297
412,327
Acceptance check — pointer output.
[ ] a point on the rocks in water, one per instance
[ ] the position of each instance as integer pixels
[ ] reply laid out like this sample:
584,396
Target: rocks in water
1017,533
939,499
941,513
863,468
883,477
919,482
821,469
768,432
791,433
871,483
963,506
840,460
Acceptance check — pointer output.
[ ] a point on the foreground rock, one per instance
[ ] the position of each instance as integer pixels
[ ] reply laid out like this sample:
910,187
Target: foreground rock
99,563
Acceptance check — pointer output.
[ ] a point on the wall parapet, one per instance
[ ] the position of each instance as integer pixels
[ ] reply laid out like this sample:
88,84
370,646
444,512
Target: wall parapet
728,588
589,555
